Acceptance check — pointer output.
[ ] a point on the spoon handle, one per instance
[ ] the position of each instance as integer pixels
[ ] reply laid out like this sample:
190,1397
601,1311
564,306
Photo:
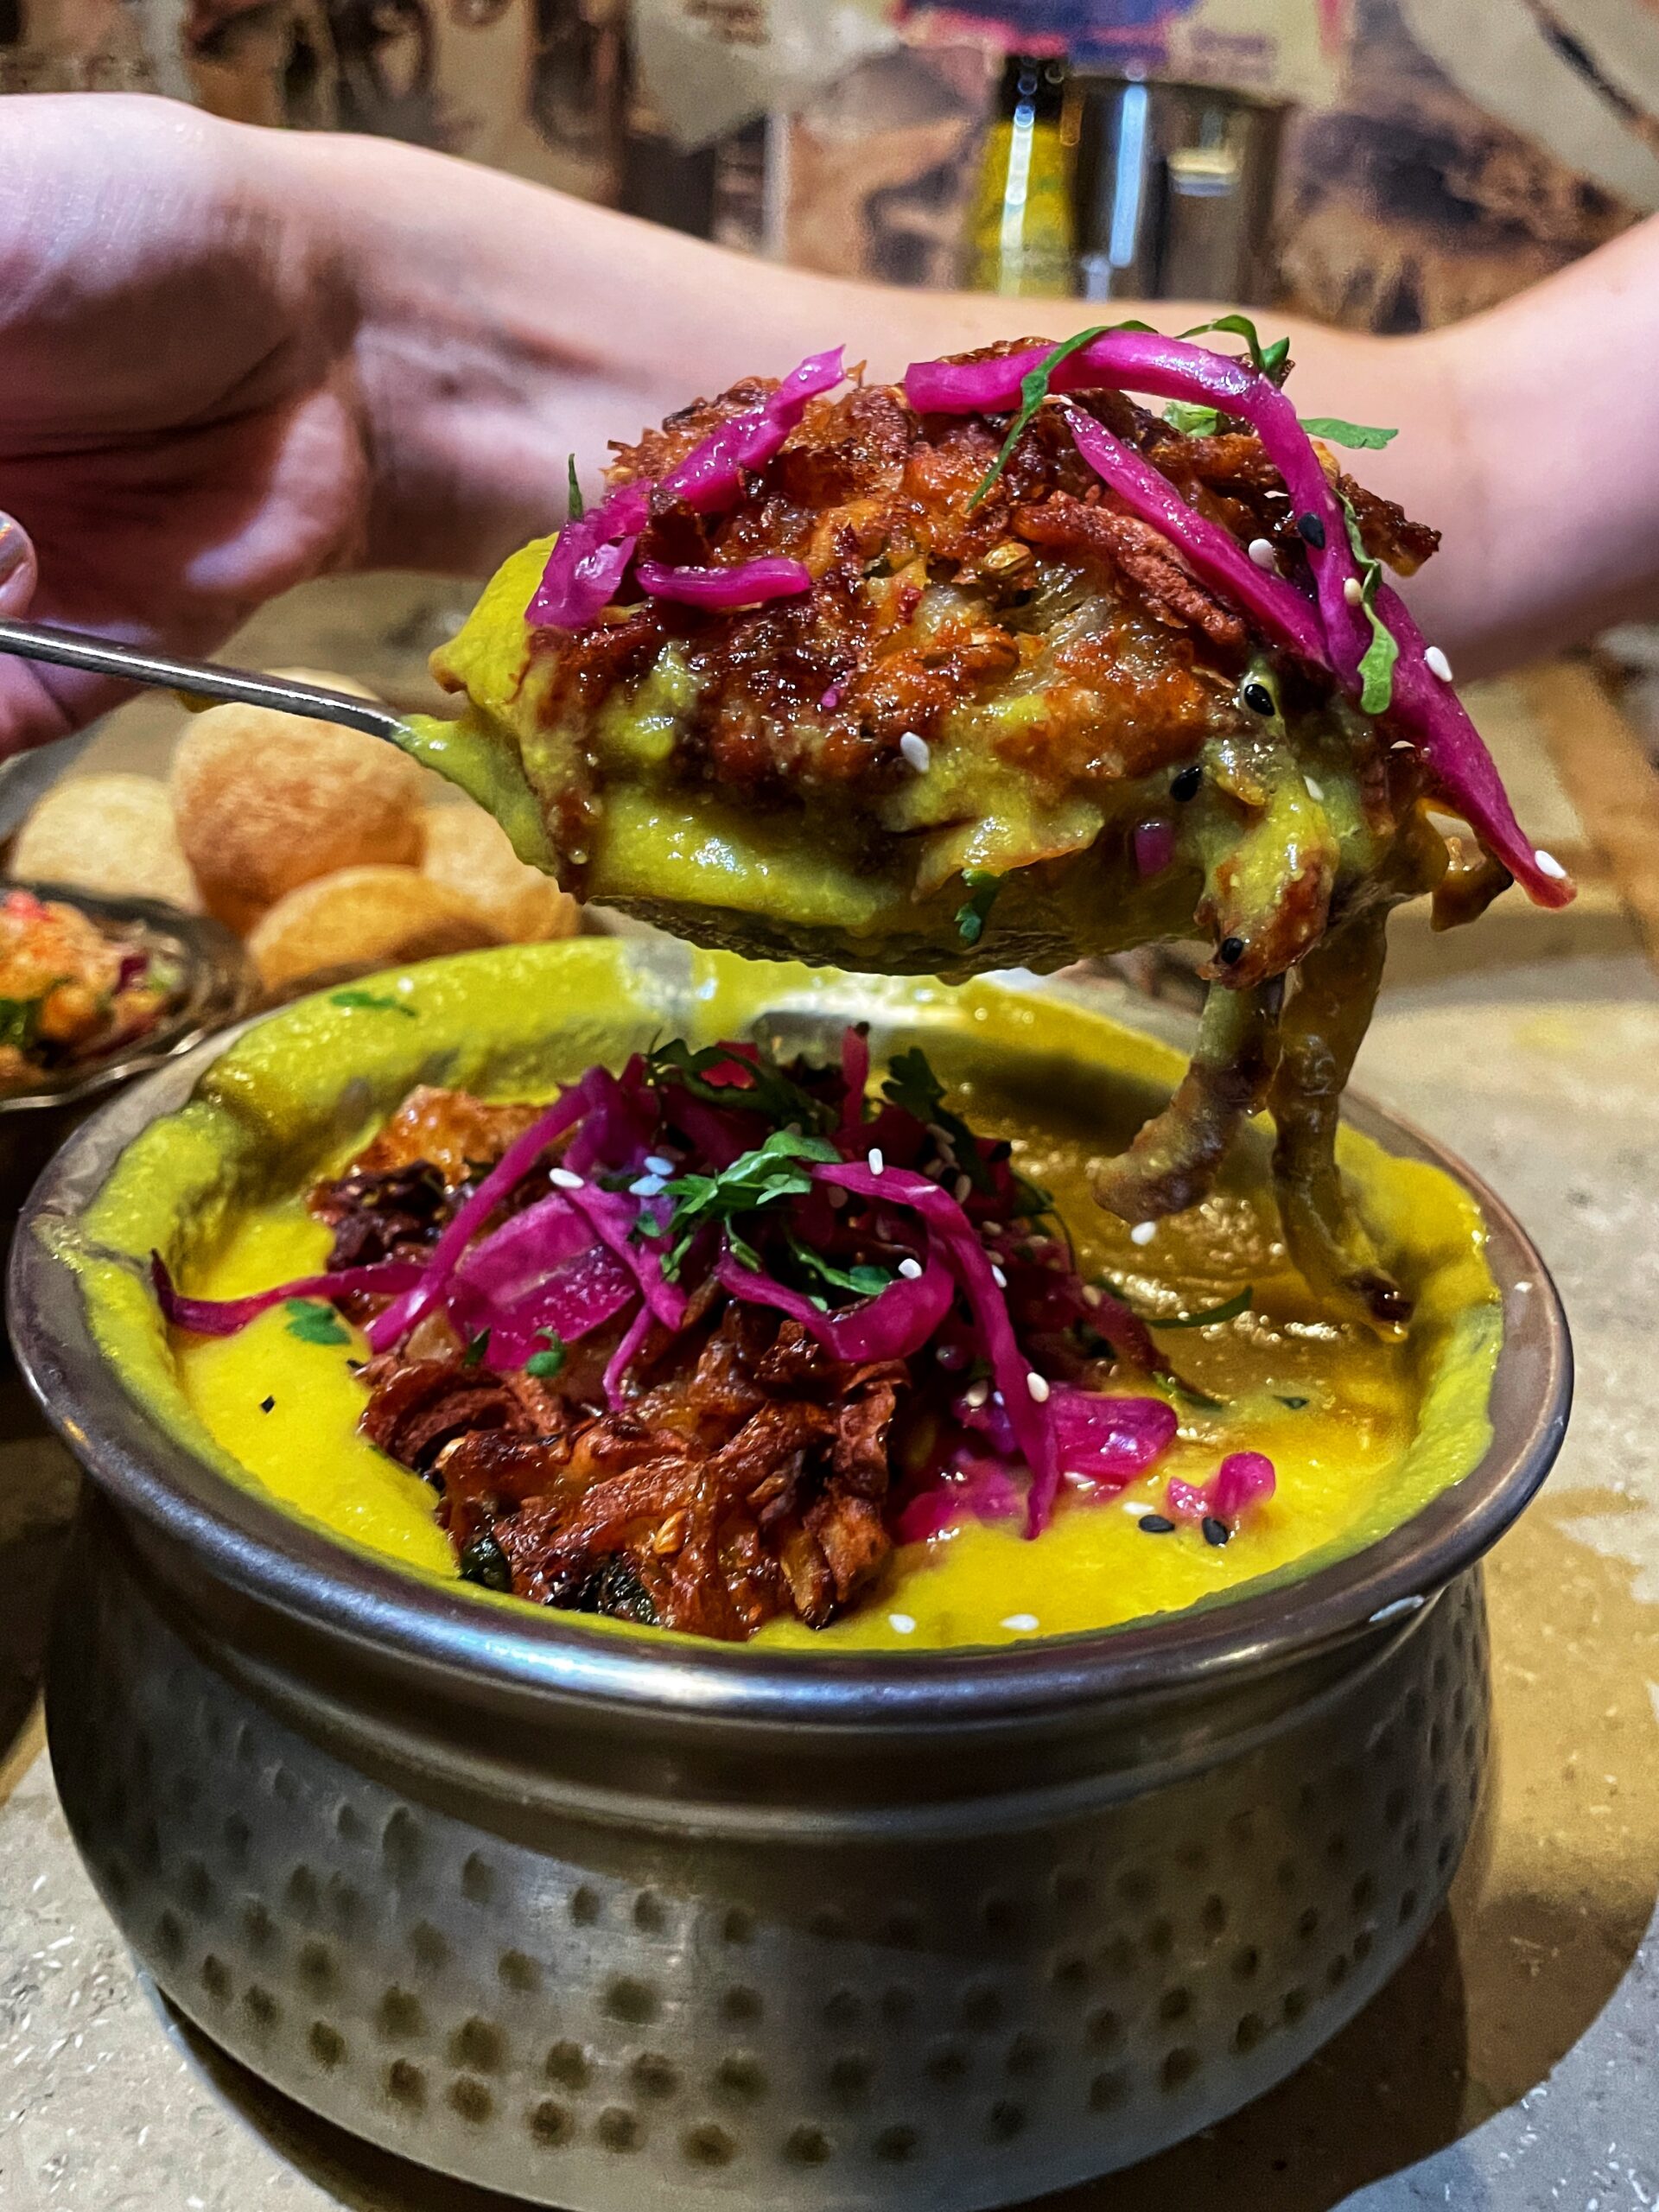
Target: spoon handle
196,679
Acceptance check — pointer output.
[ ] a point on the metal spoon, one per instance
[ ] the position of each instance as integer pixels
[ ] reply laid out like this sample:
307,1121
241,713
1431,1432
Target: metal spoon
196,679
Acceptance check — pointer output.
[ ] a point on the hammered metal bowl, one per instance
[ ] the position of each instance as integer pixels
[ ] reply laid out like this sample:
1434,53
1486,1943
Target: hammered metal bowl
616,1925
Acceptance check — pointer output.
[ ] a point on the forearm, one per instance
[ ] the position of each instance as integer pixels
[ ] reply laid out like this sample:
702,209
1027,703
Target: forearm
503,328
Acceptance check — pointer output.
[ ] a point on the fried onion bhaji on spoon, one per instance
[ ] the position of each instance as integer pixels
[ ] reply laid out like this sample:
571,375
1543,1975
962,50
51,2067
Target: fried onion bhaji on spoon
998,668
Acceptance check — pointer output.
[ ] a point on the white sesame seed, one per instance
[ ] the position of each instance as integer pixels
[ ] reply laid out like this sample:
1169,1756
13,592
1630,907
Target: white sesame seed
1437,663
877,1163
1143,1232
837,1196
1091,1294
563,1179
993,1228
1549,865
1315,791
656,1165
975,1394
1262,554
996,1397
648,1186
998,1277
1353,591
961,1188
1037,1386
915,752
901,1624
911,1270
1021,1623
1136,1506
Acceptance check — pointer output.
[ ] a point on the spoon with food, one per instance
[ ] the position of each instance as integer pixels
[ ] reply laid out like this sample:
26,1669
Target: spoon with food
993,668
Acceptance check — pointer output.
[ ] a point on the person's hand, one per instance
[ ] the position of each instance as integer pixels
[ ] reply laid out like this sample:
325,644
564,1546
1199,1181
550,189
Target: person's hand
182,433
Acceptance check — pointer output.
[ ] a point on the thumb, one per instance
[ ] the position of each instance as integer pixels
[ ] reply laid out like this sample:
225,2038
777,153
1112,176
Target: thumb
31,713
19,572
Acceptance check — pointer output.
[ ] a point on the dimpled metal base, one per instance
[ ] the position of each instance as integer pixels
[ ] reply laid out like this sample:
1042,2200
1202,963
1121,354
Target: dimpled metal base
657,2002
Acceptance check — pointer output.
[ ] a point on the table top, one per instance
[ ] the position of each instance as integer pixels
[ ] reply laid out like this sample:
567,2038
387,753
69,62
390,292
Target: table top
1510,2065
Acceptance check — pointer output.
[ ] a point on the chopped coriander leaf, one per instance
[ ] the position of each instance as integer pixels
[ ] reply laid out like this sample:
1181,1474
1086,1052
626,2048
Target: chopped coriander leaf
1034,390
476,1348
913,1085
864,1281
773,1170
1271,360
981,887
371,1001
1365,437
578,505
314,1324
1194,421
1377,667
544,1365
1228,1311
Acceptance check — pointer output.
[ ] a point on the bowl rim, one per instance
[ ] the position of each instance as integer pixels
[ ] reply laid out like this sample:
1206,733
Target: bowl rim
294,1567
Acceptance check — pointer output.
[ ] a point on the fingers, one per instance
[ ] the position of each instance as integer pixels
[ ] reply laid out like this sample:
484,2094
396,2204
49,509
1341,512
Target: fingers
18,572
31,710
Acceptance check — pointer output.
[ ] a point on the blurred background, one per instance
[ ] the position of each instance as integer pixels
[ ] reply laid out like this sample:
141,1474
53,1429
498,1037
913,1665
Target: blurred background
1384,164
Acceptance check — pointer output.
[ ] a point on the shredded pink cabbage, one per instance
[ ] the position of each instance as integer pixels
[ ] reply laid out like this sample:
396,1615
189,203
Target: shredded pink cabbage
1111,1440
223,1317
589,559
746,583
392,1326
1214,554
1243,1480
710,477
896,1324
1154,847
968,1258
625,1355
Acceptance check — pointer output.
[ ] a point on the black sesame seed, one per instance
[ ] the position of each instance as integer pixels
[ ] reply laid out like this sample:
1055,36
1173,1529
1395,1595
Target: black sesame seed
265,1404
1312,528
1215,1532
1186,783
1258,698
1231,952
1155,1524
1295,1404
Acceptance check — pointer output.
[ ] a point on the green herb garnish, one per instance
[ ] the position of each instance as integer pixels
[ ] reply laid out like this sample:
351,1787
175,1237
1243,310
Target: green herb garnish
1363,435
1271,360
771,1172
577,505
1376,666
981,887
547,1362
371,1001
1034,390
769,1091
864,1281
314,1324
912,1085
1229,1312
1194,421
476,1348
1032,1201
483,1561
20,1018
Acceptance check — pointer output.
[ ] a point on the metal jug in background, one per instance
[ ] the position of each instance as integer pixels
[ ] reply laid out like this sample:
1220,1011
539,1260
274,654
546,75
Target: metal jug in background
1175,190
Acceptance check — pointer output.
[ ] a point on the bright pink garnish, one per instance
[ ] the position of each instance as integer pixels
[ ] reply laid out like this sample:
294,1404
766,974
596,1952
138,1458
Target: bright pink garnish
746,583
224,1317
1154,847
1243,1480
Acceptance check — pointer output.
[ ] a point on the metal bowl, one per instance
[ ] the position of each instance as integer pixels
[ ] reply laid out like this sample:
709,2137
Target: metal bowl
614,1923
218,988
